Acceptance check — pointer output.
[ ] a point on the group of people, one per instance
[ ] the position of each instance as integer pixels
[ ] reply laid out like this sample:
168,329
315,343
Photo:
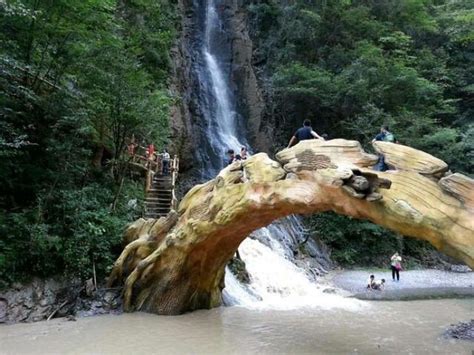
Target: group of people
151,155
306,132
373,284
395,266
232,157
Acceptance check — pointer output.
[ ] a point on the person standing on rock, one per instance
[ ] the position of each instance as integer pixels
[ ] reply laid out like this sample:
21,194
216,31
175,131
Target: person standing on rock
304,133
396,266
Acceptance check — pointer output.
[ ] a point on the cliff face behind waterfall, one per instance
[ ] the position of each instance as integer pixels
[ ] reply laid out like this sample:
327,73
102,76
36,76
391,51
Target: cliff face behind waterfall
188,130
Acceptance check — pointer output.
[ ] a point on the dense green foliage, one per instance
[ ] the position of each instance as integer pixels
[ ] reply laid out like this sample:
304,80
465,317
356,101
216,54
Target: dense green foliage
353,65
362,243
77,79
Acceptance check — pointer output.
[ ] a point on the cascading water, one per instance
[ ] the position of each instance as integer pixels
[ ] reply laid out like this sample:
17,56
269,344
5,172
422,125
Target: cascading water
216,99
276,281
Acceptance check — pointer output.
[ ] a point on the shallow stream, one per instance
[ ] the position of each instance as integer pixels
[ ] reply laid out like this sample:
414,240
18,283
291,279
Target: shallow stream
412,327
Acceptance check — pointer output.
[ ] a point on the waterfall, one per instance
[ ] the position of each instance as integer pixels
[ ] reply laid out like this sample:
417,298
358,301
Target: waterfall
275,279
216,99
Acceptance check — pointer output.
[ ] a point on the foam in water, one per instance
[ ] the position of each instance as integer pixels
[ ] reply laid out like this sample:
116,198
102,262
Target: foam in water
277,283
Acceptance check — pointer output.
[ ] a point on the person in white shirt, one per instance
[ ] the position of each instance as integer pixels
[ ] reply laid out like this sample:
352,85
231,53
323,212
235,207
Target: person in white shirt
396,266
370,281
165,158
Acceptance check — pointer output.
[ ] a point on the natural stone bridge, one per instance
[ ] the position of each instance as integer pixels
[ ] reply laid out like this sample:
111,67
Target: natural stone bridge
177,263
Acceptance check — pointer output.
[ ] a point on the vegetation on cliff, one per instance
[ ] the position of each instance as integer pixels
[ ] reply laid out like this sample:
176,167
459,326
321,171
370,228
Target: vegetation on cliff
353,65
77,79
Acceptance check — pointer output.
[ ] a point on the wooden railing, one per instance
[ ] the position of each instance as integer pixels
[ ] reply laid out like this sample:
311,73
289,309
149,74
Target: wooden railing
155,166
174,169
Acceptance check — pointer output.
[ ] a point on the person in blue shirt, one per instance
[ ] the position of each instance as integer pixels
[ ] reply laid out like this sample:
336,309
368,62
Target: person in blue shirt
385,136
304,133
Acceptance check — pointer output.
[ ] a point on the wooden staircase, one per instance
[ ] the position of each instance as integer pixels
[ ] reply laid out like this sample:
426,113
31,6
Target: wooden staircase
159,198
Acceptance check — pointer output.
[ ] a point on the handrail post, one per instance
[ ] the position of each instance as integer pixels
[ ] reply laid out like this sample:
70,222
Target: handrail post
174,174
149,179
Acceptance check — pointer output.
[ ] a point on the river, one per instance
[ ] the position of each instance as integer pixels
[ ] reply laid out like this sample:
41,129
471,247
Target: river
412,327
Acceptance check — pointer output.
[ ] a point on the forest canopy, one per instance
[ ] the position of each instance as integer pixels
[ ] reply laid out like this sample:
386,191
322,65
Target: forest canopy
353,65
78,78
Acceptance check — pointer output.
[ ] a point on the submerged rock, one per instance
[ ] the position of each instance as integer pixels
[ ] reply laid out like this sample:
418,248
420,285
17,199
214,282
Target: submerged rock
237,267
462,330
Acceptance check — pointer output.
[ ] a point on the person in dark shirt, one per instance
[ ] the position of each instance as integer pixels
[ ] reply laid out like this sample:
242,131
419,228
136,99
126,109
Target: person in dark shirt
385,135
231,155
304,133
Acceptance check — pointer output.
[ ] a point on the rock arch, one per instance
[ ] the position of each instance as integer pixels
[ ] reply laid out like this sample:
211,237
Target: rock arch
176,264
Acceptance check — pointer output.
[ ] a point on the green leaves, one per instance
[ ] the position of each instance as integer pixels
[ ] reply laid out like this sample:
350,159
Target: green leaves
352,66
77,80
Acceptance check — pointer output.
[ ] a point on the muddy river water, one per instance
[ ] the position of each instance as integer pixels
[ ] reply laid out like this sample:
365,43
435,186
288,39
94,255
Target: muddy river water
411,327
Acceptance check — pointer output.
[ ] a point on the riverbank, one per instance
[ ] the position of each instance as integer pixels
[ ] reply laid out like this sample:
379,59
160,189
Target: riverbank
413,284
56,298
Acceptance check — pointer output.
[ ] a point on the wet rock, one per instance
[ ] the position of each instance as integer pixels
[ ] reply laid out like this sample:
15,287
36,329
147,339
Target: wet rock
55,298
330,290
462,330
237,267
3,310
90,287
459,268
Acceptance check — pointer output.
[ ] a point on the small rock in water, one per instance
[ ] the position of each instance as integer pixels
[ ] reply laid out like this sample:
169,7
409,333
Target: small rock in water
329,290
460,268
462,330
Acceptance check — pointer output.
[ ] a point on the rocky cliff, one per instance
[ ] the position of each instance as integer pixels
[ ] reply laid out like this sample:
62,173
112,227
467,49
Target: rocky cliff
187,123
